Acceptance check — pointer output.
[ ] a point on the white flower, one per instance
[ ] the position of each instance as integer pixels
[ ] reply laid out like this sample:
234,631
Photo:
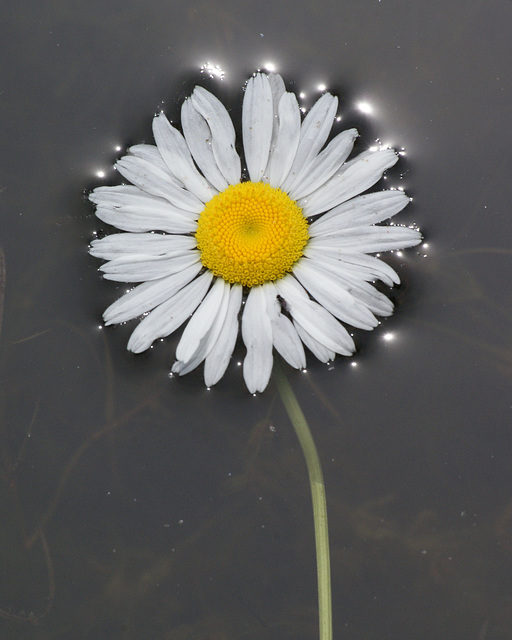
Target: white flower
199,238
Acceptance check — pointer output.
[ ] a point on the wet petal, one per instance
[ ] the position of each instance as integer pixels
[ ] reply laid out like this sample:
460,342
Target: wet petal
176,155
355,177
278,89
155,244
148,295
222,133
287,138
321,352
141,220
257,337
361,290
150,153
357,212
148,177
193,338
313,134
138,268
257,123
358,265
369,239
170,315
284,335
130,209
331,294
324,166
314,319
199,140
197,342
218,359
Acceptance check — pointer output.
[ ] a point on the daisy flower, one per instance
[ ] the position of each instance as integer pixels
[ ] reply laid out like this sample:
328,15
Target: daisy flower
279,244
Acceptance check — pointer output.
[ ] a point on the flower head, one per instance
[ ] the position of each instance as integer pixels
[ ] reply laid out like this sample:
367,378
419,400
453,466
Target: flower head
287,249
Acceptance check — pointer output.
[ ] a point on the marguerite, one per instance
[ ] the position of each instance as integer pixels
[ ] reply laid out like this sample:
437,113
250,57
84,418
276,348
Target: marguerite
287,246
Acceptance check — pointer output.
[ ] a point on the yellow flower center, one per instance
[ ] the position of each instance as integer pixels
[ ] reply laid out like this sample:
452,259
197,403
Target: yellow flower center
251,233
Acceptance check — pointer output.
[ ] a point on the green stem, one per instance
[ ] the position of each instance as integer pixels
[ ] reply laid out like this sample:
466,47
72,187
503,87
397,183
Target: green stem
316,481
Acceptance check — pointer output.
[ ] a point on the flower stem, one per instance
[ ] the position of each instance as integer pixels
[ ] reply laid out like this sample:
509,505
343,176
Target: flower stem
316,481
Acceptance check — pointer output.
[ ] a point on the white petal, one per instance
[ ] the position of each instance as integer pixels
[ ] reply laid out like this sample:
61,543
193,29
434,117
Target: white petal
119,193
277,87
287,138
150,153
357,286
314,318
156,244
170,315
157,182
358,264
257,123
139,268
369,239
146,158
127,195
355,177
284,335
210,325
130,209
222,133
157,218
317,348
324,166
218,359
376,301
148,295
368,209
331,294
257,337
199,139
201,322
313,134
176,155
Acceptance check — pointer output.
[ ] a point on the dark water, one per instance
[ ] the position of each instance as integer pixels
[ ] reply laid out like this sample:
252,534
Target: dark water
169,511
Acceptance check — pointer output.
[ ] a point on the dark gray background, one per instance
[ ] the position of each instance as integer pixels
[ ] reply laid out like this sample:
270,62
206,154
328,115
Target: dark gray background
171,511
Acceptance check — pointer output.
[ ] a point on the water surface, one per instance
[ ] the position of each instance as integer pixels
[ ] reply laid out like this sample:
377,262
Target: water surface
170,511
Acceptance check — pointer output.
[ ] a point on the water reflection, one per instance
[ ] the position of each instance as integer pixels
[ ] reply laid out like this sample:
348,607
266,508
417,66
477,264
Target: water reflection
417,436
